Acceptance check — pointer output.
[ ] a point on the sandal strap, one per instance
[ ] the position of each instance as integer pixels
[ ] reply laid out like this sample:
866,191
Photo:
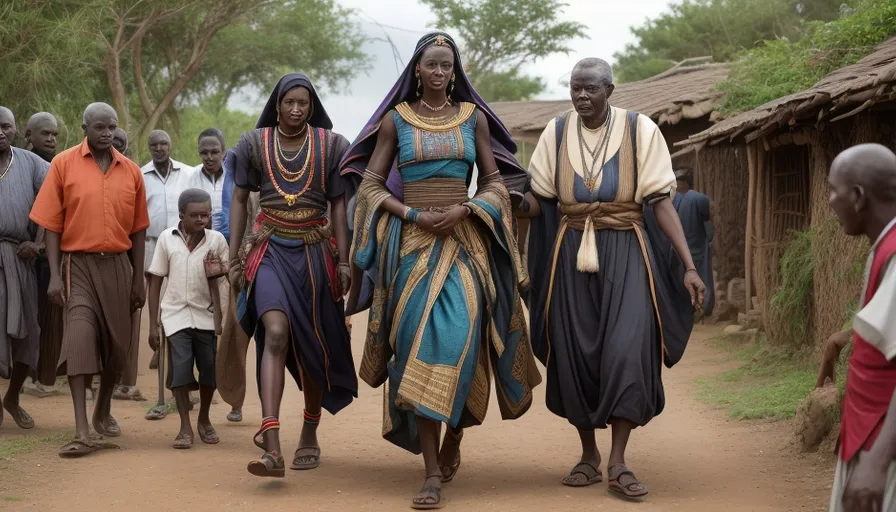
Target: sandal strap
575,469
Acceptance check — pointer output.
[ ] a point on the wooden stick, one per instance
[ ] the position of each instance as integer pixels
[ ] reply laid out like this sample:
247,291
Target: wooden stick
748,238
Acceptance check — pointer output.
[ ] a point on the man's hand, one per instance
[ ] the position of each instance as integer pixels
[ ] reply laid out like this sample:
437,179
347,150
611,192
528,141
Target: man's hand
155,338
695,287
865,488
55,291
28,251
138,293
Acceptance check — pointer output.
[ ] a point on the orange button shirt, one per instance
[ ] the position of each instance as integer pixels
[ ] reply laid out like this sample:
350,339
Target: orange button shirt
94,211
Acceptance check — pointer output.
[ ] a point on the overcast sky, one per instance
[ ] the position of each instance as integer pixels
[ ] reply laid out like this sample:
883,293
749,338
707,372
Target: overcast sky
607,26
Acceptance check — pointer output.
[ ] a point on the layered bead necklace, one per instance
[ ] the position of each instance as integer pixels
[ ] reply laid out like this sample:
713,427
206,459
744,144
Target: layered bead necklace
282,160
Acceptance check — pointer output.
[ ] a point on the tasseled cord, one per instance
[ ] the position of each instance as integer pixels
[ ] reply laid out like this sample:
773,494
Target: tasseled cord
586,260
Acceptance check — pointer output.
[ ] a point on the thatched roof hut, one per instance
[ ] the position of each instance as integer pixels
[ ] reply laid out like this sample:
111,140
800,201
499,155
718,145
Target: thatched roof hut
681,101
787,146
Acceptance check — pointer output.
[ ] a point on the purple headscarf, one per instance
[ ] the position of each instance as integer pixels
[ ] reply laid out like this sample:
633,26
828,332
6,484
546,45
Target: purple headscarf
358,155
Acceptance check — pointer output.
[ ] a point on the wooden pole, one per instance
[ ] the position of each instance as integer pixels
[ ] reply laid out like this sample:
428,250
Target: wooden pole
748,237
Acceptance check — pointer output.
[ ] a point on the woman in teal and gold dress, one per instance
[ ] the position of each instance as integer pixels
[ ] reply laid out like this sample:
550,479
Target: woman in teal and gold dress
439,270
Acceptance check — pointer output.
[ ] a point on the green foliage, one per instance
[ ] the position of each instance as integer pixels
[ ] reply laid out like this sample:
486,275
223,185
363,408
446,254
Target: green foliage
499,37
717,28
778,68
792,300
769,384
152,59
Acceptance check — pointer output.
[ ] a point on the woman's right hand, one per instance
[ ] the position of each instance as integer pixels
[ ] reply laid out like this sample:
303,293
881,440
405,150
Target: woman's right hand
428,220
55,291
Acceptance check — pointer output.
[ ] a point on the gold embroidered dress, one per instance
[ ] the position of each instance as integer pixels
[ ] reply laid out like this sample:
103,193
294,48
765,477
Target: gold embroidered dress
446,312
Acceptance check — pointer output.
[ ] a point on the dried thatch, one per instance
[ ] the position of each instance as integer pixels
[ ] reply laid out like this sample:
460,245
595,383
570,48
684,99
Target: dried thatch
680,93
841,94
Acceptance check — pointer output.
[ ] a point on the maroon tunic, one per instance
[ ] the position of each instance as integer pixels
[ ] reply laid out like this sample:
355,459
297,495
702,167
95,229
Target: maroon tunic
872,377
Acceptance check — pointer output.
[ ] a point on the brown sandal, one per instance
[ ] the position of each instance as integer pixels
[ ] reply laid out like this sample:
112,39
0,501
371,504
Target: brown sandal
270,465
429,492
449,472
631,490
583,474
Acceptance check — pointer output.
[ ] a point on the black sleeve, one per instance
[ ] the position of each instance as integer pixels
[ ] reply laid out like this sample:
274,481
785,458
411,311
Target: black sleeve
246,171
335,186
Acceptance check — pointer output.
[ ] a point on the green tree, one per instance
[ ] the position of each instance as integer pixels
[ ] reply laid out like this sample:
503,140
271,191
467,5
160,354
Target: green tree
781,67
498,37
152,59
720,29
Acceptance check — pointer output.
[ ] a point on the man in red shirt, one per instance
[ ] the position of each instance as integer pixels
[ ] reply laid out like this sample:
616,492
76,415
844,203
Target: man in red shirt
863,196
93,207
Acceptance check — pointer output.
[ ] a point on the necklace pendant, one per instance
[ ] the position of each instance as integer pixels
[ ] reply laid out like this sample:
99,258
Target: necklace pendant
290,199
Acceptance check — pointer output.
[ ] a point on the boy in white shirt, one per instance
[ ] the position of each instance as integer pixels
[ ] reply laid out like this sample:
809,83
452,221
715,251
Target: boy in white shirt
188,308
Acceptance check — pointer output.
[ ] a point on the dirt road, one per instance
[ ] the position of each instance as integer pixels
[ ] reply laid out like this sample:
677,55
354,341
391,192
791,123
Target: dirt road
692,458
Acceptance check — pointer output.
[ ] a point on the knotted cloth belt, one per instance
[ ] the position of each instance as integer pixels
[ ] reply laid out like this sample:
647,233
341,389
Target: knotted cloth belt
588,217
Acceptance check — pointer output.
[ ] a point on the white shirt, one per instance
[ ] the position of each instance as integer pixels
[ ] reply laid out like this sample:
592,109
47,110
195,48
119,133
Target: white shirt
199,179
875,322
187,303
162,195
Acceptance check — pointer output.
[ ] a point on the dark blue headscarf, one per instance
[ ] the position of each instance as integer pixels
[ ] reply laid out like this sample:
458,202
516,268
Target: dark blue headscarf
318,118
358,155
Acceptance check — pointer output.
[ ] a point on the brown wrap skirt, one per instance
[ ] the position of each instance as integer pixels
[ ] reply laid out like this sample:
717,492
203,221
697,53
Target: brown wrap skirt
97,334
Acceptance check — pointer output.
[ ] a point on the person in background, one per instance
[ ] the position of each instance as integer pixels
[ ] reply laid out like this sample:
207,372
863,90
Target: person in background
95,249
209,175
234,343
120,141
165,180
40,135
40,138
187,309
862,185
21,175
695,212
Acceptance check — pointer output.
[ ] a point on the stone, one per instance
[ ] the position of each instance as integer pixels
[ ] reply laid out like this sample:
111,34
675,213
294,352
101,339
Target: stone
737,294
754,303
724,312
733,329
749,320
815,416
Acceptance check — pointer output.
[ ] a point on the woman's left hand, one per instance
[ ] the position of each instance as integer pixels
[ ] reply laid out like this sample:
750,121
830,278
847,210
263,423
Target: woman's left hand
452,218
696,288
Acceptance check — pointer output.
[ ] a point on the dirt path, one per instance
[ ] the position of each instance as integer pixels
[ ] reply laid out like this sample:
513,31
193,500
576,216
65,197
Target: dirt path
692,458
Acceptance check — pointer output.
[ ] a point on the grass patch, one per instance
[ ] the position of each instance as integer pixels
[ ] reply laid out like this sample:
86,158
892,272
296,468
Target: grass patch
768,384
10,446
12,499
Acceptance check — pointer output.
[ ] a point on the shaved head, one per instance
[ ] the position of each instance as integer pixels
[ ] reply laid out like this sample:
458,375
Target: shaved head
7,115
863,184
100,121
40,133
41,118
159,135
95,110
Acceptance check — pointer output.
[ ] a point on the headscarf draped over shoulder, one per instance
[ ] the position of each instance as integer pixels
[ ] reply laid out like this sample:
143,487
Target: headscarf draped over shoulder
318,117
358,155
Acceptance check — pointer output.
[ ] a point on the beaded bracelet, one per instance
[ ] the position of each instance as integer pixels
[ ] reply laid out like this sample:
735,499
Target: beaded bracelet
411,214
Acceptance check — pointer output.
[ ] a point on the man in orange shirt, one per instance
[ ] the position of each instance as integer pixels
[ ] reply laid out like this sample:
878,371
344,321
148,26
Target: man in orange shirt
93,207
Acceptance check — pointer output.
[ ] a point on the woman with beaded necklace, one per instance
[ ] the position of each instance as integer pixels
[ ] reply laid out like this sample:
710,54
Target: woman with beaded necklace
440,270
289,270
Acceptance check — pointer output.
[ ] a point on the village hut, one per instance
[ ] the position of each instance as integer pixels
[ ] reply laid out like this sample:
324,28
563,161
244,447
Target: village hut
787,146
